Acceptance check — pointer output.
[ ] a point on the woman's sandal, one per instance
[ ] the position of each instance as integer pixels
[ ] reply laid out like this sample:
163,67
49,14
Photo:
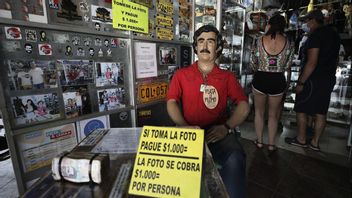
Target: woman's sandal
258,144
272,148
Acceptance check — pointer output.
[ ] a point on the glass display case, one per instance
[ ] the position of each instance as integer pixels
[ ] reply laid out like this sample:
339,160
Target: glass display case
232,29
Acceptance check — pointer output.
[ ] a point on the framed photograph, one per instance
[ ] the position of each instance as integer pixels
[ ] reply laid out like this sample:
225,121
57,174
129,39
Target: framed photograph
35,74
108,73
76,72
76,100
110,99
35,108
167,55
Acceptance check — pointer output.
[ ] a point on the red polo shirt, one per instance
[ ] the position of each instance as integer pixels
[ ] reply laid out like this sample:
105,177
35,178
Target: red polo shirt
185,87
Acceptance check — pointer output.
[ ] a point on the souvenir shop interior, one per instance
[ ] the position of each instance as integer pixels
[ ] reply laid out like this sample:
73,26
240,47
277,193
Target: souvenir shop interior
71,67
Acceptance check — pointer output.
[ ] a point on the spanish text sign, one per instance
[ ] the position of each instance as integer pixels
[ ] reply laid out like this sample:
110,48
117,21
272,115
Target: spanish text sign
129,16
168,162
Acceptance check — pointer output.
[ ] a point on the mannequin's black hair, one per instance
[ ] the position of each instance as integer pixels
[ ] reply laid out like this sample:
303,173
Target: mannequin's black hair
209,28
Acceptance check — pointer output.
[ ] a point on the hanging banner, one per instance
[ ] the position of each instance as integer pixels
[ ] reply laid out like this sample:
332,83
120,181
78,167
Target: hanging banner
163,20
168,162
130,16
164,33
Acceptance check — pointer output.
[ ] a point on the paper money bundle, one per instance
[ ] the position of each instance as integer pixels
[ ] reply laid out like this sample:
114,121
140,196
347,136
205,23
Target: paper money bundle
79,167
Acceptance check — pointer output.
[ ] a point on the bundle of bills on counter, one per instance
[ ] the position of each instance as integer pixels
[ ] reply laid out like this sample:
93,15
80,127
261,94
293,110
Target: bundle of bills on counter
76,167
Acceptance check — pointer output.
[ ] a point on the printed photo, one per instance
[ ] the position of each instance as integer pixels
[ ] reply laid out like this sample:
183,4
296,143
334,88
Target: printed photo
75,72
101,14
185,25
110,99
171,70
167,55
34,74
31,35
108,73
77,101
5,9
35,108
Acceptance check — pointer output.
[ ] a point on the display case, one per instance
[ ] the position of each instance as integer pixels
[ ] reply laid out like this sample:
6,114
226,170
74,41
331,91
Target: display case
232,29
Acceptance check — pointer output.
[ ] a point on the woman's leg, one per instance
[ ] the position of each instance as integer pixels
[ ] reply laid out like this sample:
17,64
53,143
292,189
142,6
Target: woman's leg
274,116
259,106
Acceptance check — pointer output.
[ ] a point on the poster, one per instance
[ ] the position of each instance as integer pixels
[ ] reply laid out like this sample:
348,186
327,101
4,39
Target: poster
110,99
76,72
35,108
38,148
146,65
85,127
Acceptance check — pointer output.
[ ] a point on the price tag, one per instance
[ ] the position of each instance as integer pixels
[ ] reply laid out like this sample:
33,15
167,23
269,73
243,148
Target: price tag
168,162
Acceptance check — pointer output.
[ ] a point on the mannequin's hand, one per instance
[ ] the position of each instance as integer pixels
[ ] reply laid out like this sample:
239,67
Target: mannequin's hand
216,133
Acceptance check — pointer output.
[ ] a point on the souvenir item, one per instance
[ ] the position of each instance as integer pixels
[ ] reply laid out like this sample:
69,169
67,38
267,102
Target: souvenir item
87,41
108,52
106,42
80,52
13,33
114,42
28,47
91,51
76,40
68,51
100,53
43,37
98,42
45,49
31,35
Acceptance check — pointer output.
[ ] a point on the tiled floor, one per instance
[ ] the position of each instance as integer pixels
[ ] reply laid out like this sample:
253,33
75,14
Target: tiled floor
288,173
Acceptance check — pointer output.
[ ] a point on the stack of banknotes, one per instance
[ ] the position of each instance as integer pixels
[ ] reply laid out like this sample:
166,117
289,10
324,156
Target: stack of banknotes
76,167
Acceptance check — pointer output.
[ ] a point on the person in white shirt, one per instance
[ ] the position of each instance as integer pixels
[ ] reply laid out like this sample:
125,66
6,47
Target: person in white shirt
37,75
24,79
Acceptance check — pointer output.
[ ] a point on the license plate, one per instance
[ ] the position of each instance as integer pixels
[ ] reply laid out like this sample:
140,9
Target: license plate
152,92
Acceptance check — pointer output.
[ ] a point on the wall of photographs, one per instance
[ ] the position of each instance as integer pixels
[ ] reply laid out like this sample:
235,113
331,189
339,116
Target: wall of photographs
65,71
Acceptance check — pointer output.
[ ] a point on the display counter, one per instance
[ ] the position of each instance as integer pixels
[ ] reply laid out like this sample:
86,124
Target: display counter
121,145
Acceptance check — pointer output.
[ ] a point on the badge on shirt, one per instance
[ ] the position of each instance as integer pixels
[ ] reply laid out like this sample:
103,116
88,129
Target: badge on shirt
210,97
202,87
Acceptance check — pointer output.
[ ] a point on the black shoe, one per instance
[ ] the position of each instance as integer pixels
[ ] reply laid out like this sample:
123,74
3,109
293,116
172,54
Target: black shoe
295,142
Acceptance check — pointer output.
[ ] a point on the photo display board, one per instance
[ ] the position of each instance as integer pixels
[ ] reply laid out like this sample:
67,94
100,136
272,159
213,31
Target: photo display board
55,75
